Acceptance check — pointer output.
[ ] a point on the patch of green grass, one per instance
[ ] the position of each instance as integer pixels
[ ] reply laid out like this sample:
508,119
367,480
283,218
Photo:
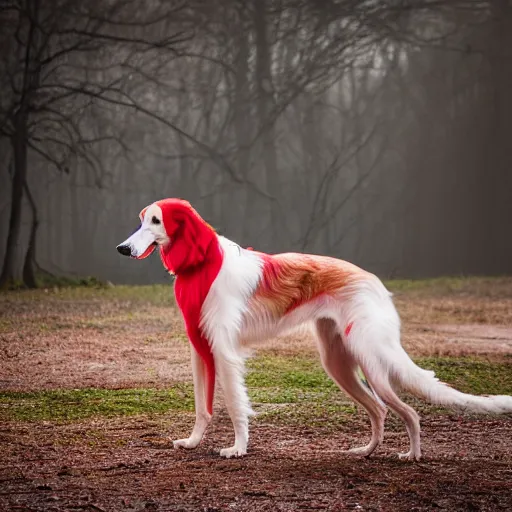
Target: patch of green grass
298,372
77,404
156,294
286,390
49,281
327,414
295,390
472,375
46,280
291,379
302,394
7,324
453,285
437,283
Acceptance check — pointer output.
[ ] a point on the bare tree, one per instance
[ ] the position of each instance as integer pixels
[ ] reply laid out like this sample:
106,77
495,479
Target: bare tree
62,58
353,128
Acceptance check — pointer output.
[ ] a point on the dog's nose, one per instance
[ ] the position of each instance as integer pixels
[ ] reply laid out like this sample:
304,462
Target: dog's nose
125,250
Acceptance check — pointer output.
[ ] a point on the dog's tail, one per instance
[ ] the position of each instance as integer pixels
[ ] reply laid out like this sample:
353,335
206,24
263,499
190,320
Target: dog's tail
374,340
425,384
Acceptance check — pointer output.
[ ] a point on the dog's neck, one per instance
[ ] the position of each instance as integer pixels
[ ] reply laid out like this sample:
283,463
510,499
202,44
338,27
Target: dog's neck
196,257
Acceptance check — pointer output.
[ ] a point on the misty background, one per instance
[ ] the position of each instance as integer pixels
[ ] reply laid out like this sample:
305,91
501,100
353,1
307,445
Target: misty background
379,132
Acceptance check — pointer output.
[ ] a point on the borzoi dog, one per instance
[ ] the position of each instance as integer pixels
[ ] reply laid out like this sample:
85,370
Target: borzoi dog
228,295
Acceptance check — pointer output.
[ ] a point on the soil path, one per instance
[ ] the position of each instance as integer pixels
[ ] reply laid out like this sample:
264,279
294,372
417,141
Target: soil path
129,467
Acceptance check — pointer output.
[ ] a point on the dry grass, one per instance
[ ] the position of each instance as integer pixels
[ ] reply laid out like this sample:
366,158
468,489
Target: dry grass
69,339
129,336
133,338
456,317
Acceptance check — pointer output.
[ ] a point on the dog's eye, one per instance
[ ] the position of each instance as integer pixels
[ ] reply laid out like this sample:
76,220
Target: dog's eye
154,220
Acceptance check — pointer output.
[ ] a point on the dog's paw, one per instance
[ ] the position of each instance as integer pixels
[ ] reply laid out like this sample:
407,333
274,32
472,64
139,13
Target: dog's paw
234,451
187,443
361,451
409,456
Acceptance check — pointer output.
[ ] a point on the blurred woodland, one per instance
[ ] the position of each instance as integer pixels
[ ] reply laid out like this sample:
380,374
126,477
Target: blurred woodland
374,131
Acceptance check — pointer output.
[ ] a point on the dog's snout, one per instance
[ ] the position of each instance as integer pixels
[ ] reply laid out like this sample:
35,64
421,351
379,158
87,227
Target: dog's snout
125,250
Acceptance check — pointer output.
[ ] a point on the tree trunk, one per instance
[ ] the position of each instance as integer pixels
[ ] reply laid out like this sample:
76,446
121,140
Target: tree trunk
277,238
19,142
19,146
29,278
246,202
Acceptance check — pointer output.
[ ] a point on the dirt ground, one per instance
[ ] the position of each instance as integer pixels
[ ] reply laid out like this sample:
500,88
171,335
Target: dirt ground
130,467
56,339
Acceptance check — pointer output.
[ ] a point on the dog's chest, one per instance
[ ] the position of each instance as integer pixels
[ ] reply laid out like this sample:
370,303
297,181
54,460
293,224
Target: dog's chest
227,301
191,290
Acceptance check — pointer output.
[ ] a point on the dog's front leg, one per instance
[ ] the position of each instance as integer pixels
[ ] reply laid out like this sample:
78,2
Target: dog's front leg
202,416
230,371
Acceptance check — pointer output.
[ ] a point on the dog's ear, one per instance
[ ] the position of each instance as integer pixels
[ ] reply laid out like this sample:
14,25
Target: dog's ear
194,230
190,235
143,213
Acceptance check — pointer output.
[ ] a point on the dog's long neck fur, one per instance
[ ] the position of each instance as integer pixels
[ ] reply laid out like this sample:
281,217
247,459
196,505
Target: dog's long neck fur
193,241
195,257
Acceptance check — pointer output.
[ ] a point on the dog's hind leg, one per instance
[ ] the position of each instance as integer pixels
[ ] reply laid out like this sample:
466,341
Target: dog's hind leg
374,341
202,415
341,366
406,413
376,359
379,380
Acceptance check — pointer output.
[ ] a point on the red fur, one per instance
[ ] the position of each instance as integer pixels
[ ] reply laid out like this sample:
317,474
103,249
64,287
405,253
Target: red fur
348,328
291,280
195,256
272,273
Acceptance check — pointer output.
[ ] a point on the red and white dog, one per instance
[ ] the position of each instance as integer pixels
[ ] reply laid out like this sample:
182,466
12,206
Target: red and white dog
228,295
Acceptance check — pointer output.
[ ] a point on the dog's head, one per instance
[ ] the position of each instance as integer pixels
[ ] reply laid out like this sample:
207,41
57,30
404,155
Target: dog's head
174,226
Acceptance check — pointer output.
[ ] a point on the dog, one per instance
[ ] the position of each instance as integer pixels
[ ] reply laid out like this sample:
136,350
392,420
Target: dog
229,295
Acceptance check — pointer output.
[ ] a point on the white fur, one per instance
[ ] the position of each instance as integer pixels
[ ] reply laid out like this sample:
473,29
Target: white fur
148,233
373,345
203,417
222,316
